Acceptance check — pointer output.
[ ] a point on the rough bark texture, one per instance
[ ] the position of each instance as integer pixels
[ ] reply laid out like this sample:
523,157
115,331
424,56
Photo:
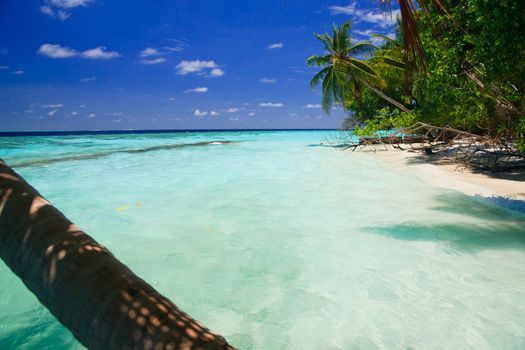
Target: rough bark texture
103,303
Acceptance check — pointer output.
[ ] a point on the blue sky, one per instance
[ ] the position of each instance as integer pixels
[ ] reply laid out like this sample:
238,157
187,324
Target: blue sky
165,64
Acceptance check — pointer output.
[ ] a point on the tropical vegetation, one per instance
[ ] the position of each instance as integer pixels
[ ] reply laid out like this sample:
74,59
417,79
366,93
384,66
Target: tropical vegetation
472,77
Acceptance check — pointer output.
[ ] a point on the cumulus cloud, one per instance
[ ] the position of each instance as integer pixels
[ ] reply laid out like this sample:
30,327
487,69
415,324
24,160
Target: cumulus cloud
216,72
213,113
374,17
58,51
19,72
271,104
148,52
4,67
267,80
198,89
61,9
53,112
199,113
100,53
310,105
275,46
199,67
251,114
91,115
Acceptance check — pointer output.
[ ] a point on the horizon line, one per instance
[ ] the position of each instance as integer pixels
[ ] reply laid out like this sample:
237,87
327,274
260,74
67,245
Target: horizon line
138,131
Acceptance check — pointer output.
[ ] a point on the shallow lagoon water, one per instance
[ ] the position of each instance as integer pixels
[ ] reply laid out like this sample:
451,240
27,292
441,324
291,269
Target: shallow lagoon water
278,244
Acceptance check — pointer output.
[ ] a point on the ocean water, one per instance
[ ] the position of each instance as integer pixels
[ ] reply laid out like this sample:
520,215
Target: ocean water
278,243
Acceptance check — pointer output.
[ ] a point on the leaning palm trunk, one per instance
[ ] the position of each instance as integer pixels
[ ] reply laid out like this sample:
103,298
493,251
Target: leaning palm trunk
386,97
103,303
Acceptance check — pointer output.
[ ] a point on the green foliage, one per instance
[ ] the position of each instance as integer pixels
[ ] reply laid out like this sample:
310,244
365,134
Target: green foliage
385,119
520,135
474,78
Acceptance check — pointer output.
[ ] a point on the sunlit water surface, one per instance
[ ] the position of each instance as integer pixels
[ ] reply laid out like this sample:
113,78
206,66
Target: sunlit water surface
278,244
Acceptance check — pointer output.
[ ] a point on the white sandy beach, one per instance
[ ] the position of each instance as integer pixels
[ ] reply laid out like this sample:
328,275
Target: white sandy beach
450,176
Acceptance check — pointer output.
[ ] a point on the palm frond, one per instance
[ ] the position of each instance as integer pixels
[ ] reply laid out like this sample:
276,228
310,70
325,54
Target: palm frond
362,47
319,76
315,60
328,100
393,62
326,40
384,37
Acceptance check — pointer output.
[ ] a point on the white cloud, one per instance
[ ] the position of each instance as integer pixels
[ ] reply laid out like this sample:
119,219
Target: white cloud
177,46
267,80
271,104
100,53
53,106
153,61
85,80
213,113
82,106
310,105
61,9
376,17
172,98
216,72
251,114
52,113
367,34
148,52
231,110
56,51
4,67
55,13
68,4
198,89
275,46
19,72
199,113
74,113
199,67
91,115
173,48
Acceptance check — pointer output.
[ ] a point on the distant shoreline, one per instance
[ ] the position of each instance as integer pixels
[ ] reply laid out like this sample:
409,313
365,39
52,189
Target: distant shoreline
138,131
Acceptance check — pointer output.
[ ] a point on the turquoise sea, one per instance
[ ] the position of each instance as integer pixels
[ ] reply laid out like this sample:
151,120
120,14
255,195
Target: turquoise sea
277,243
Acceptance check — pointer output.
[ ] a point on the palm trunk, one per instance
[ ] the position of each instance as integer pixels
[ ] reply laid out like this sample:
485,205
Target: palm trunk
386,97
103,303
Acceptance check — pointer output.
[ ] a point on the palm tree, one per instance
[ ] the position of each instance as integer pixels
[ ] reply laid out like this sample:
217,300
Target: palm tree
102,302
342,71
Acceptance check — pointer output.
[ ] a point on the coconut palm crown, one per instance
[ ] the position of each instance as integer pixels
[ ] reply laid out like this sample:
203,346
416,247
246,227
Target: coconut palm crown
342,70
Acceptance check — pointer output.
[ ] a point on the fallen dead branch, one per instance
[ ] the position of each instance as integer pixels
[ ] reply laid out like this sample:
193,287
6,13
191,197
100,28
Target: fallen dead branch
464,148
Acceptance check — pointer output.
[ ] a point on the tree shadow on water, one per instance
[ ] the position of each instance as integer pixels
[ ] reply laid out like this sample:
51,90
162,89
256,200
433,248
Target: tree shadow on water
497,228
484,208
